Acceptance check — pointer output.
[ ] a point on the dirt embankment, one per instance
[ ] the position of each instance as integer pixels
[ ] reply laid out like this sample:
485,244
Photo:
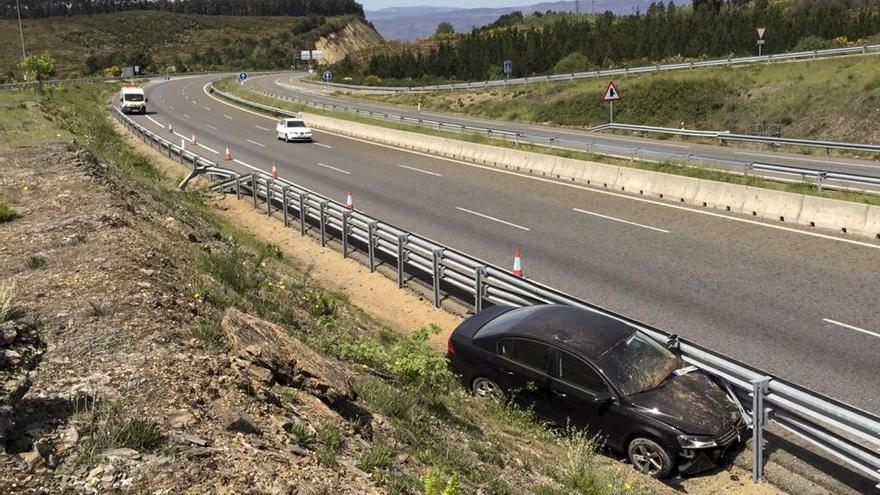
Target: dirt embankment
353,38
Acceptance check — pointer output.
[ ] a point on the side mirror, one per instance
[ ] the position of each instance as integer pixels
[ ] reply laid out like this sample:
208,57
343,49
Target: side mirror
602,397
146,100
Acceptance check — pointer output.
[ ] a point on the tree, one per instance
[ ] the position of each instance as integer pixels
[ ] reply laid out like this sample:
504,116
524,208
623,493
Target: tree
38,67
445,28
573,62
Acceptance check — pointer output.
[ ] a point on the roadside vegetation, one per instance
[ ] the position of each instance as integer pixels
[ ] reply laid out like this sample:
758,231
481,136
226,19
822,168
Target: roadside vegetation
806,187
788,98
439,440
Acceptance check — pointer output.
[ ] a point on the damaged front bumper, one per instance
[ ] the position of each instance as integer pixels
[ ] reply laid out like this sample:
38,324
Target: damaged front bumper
697,460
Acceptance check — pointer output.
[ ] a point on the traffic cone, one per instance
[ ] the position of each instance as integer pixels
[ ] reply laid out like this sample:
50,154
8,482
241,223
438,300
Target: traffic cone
274,171
517,264
349,203
193,140
228,155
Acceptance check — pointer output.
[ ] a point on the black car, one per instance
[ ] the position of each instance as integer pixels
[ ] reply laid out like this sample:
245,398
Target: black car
595,372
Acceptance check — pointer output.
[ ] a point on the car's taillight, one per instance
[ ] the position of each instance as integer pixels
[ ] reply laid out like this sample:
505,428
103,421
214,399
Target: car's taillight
450,348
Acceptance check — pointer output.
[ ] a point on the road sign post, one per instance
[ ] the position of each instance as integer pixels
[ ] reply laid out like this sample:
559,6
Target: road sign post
761,31
508,69
611,95
242,77
327,76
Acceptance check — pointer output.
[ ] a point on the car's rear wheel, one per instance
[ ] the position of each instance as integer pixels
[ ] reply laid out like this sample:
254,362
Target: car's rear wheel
649,457
484,387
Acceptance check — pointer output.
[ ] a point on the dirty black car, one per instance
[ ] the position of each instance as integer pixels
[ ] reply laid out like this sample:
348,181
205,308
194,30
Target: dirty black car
595,372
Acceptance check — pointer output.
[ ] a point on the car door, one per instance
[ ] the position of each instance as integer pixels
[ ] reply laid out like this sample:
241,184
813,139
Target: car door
583,398
523,369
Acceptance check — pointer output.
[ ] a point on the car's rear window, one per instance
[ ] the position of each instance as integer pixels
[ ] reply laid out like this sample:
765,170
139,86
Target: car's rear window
502,323
295,123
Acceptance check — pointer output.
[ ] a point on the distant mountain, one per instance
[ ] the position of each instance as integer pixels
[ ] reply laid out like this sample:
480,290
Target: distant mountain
409,23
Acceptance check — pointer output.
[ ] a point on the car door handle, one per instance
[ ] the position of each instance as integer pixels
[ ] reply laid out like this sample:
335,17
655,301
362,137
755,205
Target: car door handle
559,394
506,371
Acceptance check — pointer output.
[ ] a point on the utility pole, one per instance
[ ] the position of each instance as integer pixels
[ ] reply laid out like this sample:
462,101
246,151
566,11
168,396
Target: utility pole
20,30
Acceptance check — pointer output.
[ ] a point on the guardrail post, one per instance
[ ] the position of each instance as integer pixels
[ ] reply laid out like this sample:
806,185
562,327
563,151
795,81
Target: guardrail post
323,214
284,204
371,244
346,216
819,177
479,273
401,258
437,255
759,420
237,186
269,197
303,213
255,184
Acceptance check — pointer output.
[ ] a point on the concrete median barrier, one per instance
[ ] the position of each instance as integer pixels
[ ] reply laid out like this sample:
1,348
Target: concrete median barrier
842,216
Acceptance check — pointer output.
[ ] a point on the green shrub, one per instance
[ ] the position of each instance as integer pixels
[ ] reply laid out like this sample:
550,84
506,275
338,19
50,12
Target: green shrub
35,262
208,332
434,484
377,457
416,363
138,434
810,43
573,62
7,214
232,269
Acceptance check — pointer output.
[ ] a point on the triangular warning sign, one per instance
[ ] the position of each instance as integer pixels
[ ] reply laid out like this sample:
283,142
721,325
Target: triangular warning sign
611,94
761,33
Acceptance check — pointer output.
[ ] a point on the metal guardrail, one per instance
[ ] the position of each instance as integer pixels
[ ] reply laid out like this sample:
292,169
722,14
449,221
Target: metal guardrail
822,178
843,431
94,80
728,136
730,61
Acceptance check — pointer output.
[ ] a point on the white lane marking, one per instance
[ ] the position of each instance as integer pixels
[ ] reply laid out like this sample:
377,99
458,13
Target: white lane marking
207,108
194,102
263,128
186,115
227,116
857,329
248,165
420,170
200,145
492,218
209,126
620,220
575,186
254,142
346,172
188,139
155,122
323,145
851,164
171,107
604,136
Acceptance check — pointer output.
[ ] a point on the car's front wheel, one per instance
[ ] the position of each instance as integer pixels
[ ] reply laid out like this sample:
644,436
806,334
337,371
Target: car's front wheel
484,387
649,457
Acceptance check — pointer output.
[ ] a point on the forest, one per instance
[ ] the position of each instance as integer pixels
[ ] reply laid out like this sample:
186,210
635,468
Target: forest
37,9
708,28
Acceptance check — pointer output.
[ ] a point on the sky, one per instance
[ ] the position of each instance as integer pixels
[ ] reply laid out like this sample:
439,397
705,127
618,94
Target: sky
468,4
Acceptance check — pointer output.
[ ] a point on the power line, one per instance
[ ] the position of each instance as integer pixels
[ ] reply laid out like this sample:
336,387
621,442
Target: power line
20,30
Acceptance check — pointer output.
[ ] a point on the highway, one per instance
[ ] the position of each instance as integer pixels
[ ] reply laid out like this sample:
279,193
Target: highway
291,85
802,304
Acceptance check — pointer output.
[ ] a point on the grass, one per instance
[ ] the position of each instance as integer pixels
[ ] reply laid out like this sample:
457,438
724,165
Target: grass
35,262
739,99
23,124
230,86
7,300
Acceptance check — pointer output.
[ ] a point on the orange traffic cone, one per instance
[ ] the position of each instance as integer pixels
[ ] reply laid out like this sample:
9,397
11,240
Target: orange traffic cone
193,140
228,155
348,202
517,264
274,171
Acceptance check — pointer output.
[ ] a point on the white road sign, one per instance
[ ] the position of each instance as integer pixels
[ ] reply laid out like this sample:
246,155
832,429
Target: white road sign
611,94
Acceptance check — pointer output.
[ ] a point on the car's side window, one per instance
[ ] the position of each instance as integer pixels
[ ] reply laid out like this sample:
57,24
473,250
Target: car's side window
576,372
282,123
530,353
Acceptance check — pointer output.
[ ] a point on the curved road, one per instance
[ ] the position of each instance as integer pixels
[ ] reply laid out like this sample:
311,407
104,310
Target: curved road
800,303
291,85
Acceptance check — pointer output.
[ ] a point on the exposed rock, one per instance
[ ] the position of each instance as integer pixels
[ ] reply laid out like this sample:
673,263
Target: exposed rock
257,344
244,424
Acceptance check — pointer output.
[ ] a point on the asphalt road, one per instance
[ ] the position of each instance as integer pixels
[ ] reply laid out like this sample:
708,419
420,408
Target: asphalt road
291,85
802,304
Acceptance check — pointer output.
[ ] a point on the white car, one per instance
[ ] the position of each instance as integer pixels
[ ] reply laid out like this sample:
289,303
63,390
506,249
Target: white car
293,129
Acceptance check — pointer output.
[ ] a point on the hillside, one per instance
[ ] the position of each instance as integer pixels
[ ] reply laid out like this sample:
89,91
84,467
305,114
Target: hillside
796,98
86,45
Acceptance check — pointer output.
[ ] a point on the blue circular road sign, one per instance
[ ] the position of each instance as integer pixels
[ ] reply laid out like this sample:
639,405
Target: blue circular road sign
242,76
327,75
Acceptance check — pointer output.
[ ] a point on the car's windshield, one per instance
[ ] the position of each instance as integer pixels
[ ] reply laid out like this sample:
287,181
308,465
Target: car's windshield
638,363
134,97
295,123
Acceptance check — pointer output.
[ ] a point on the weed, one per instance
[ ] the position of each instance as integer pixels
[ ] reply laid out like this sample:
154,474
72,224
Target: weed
290,396
96,309
330,436
377,457
7,214
7,300
231,269
327,458
273,251
138,434
363,352
35,262
386,399
207,332
319,303
302,434
417,364
435,484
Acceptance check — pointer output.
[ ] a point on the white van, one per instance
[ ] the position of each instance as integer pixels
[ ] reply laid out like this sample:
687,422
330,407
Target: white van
132,100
